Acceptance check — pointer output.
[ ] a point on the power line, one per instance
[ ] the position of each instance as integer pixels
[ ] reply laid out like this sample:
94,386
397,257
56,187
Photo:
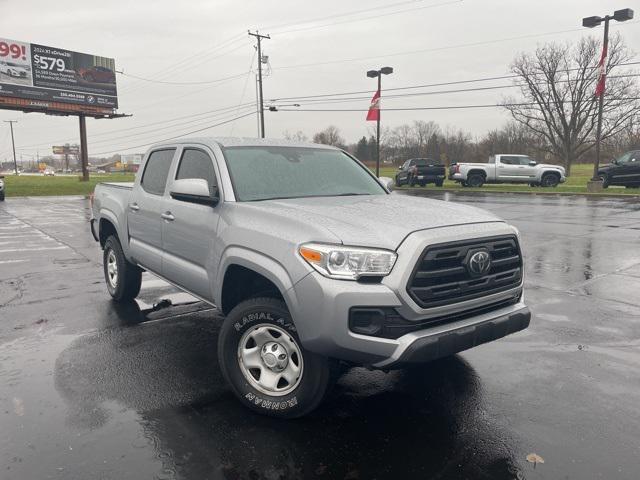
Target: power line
176,136
225,109
435,49
244,89
448,107
204,82
427,85
371,17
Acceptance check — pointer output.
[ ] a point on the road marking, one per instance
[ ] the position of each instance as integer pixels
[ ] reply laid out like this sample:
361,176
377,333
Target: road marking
13,261
33,249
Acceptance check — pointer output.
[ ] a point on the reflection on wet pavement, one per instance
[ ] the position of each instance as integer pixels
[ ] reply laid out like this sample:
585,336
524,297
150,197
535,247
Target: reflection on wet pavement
92,389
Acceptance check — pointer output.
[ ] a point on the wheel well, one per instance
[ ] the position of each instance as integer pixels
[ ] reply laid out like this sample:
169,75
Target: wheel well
477,172
241,283
106,229
551,172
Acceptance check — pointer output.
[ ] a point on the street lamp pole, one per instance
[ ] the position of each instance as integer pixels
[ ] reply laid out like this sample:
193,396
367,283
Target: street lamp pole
378,130
590,22
378,74
596,166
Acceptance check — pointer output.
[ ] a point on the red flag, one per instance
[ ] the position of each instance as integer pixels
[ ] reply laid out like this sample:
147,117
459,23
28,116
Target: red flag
374,109
602,75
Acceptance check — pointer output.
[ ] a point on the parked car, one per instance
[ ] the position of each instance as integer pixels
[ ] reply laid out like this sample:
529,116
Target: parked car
97,74
13,70
624,171
49,173
420,171
311,259
1,188
507,169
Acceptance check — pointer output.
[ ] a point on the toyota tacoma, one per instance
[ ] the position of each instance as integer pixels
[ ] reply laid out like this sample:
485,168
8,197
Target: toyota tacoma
314,263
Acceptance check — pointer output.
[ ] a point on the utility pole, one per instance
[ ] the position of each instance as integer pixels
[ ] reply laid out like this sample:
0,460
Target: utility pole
84,156
13,144
260,100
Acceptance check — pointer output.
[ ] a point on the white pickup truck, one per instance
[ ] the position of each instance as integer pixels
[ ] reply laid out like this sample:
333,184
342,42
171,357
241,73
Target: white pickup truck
509,168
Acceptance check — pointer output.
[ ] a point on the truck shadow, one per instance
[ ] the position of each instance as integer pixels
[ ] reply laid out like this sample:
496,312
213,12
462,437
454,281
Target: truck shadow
423,422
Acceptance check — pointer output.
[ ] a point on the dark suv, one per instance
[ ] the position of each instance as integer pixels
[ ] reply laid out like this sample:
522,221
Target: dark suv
624,171
420,171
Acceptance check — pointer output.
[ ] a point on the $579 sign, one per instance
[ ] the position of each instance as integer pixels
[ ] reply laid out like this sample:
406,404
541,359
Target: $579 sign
49,63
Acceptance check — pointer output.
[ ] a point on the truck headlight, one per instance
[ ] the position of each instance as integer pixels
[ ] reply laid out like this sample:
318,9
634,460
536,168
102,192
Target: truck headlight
347,263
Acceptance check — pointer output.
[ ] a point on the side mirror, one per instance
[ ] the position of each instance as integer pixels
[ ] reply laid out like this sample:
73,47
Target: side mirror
386,182
533,163
614,161
195,190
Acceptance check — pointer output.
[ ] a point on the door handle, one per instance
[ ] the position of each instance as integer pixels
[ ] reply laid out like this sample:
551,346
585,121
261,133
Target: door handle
134,207
167,216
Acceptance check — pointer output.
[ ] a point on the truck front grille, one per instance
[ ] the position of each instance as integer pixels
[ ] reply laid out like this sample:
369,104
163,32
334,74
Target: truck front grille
442,277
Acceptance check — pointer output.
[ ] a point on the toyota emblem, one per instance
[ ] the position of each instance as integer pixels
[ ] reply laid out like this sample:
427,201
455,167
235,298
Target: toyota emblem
478,263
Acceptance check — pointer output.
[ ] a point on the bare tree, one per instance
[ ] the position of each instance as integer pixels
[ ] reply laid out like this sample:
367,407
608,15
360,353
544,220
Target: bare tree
557,84
329,136
298,136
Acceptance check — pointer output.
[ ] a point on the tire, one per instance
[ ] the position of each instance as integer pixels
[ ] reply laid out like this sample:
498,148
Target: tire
549,180
475,180
263,323
2,197
605,181
123,278
439,183
412,183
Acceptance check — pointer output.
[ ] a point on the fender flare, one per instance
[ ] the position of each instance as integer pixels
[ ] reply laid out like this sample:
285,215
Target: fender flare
259,263
111,217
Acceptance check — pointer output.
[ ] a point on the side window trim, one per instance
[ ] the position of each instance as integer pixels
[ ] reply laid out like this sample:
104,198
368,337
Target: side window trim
146,165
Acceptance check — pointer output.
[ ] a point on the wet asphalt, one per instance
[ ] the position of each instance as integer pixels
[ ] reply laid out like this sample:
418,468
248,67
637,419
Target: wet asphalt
93,390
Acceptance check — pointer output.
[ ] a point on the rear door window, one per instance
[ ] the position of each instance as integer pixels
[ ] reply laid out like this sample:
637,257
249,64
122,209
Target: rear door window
156,171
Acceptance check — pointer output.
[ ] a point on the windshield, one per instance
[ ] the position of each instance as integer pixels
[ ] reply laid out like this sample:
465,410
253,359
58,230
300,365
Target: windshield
265,173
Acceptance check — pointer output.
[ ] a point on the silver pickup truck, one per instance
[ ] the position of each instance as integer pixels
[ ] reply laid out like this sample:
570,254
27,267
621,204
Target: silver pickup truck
314,263
507,169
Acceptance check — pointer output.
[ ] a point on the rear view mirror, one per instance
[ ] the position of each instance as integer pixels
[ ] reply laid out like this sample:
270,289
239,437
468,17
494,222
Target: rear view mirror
195,190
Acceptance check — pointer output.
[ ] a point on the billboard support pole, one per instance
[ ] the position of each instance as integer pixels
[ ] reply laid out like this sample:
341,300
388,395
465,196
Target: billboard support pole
84,156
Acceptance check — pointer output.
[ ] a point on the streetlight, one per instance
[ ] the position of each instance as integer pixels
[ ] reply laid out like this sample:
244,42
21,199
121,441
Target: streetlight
590,22
374,74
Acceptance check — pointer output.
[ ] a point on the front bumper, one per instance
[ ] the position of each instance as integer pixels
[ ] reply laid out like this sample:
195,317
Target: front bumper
321,307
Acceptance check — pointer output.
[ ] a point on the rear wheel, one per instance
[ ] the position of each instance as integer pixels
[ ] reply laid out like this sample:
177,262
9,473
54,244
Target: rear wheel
605,181
122,277
475,180
263,361
550,180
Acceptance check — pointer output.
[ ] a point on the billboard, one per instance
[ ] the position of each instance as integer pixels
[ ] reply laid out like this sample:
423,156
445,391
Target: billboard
66,149
51,78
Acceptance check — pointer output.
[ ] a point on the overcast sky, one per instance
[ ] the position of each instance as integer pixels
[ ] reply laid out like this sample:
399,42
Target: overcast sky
316,48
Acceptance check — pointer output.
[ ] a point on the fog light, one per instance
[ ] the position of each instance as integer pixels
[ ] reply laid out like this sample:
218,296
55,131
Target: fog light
366,321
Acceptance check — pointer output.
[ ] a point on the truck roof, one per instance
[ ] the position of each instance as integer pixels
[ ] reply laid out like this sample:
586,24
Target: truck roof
225,142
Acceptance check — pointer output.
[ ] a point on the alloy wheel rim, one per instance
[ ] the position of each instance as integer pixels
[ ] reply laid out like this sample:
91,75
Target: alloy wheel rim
270,359
112,269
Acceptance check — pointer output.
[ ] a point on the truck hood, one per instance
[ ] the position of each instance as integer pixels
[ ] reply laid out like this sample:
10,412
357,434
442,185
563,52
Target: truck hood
382,221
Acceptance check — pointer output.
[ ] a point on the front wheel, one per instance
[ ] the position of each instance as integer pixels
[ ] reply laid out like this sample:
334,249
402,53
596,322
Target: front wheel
550,180
122,277
263,361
